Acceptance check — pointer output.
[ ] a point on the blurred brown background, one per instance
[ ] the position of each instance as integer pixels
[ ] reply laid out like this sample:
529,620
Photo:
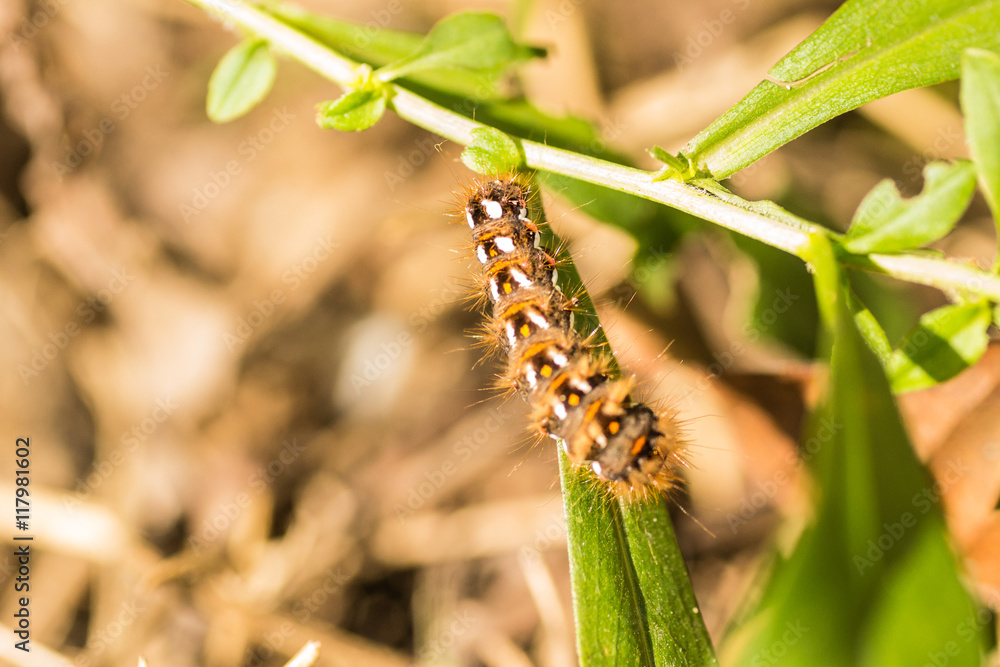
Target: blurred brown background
241,351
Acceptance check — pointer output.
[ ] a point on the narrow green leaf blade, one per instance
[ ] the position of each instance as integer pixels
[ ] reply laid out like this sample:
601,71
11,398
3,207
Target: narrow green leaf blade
905,627
885,222
240,81
676,630
945,342
839,598
632,598
866,50
870,329
352,112
610,625
980,96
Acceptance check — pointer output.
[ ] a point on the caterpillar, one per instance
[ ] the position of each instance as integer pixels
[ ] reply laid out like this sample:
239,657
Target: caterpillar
634,449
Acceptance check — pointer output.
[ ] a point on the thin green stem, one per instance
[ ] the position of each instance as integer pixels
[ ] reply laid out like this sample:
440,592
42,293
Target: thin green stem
727,211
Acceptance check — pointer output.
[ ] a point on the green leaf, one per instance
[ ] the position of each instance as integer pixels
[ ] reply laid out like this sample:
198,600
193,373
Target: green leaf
632,599
492,152
905,626
380,46
866,50
980,97
945,342
354,111
885,222
240,81
878,537
476,41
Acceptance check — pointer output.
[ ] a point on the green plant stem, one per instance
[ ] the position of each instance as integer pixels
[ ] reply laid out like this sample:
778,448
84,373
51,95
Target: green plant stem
731,212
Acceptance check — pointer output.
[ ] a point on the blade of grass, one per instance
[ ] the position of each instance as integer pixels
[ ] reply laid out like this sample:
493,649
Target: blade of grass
866,50
847,592
632,597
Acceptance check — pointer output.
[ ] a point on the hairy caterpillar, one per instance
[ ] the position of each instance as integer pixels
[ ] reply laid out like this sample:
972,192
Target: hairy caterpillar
627,444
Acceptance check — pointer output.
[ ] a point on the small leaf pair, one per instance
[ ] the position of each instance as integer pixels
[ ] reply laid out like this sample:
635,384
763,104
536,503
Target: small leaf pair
946,340
470,41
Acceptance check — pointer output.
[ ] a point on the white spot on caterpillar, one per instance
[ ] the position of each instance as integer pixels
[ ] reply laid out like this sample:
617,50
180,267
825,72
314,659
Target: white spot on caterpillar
596,467
472,223
530,376
538,319
493,208
504,243
494,289
559,359
481,254
522,215
560,410
522,280
511,333
538,240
